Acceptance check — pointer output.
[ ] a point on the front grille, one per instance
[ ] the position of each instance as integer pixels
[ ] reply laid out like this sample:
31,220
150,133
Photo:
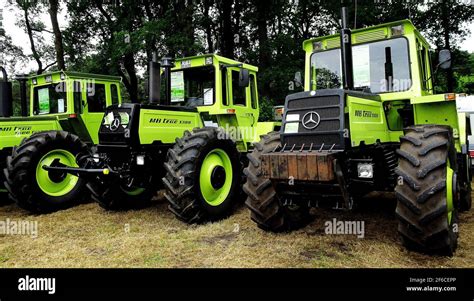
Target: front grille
328,134
122,134
314,101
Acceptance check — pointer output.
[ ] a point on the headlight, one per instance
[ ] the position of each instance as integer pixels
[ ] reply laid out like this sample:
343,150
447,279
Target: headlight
141,160
365,170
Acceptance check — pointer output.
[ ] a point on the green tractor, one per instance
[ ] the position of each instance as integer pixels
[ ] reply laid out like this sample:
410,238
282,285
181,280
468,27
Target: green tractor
368,121
202,115
60,120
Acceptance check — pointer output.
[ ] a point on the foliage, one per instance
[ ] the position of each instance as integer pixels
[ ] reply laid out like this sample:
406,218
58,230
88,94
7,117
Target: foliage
266,109
119,37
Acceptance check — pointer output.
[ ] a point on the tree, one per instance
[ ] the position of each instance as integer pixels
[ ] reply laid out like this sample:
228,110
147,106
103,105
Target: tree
227,34
445,20
58,38
40,50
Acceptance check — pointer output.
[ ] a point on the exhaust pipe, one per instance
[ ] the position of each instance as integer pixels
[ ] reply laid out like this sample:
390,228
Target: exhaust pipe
167,63
22,79
346,53
154,81
6,96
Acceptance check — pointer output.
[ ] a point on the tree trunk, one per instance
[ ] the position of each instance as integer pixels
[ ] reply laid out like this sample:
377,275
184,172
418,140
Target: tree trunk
227,42
58,38
207,4
29,31
262,34
129,64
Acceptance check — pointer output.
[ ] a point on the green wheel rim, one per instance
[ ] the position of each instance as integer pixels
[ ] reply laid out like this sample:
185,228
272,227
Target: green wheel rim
46,184
449,192
133,191
215,158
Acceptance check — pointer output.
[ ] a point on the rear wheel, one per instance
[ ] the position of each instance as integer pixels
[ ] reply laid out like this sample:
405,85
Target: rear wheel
36,189
427,190
466,190
203,176
4,199
266,208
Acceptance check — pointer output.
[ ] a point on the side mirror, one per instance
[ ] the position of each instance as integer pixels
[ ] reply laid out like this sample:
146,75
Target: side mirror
244,78
298,79
444,58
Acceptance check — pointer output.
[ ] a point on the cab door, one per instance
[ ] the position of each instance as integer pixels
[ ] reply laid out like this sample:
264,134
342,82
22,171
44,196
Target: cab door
96,97
244,102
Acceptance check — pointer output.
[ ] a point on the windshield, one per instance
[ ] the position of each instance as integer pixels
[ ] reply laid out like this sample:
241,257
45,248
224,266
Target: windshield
378,67
193,87
50,99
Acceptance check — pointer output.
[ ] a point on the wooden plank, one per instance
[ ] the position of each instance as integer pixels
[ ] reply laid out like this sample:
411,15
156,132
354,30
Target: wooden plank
274,166
331,168
283,166
312,165
292,166
302,167
322,169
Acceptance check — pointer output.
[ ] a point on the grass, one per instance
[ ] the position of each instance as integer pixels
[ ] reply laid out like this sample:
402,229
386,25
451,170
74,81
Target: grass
88,236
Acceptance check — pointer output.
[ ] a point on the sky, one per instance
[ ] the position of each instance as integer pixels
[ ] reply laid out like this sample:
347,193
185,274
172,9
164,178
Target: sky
20,38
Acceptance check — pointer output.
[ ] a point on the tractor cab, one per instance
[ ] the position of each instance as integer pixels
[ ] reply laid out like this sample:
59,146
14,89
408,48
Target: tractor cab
71,101
224,91
387,73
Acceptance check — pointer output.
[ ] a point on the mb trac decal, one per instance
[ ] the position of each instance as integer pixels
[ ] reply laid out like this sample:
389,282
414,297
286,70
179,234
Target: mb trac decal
19,130
169,121
363,113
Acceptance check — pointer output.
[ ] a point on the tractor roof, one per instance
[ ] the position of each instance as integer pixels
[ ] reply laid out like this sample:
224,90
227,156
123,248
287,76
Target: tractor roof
80,75
368,34
218,58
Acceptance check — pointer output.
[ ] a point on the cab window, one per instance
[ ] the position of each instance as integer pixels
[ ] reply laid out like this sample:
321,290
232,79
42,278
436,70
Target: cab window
114,94
77,95
253,91
238,93
96,98
50,99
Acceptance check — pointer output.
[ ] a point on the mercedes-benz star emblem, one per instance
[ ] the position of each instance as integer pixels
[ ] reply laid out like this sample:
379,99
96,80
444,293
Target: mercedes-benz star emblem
311,120
115,124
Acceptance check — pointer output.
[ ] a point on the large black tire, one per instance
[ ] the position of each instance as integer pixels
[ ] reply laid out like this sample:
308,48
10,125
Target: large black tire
182,179
466,191
114,197
422,191
20,173
4,199
266,208
466,199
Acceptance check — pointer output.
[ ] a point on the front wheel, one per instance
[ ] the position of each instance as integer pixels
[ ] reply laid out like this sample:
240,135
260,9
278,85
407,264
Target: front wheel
266,208
427,192
36,189
116,196
203,176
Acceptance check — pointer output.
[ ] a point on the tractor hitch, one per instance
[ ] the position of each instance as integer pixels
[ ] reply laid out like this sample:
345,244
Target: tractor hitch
58,170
